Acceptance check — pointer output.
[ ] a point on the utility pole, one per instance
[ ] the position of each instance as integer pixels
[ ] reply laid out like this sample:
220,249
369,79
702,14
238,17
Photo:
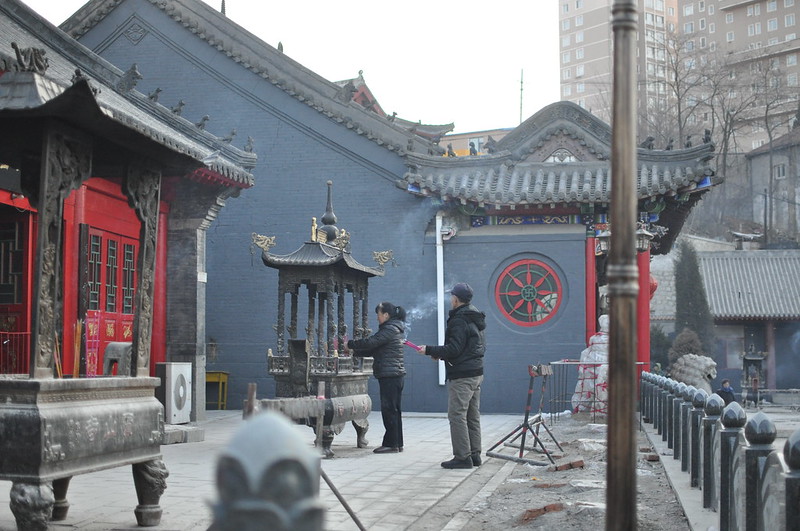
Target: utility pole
622,271
521,73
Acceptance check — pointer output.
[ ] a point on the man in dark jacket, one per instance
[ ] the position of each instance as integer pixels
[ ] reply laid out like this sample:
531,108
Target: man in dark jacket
726,392
462,353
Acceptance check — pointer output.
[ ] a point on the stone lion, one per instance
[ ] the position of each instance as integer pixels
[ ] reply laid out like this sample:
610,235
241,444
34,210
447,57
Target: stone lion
695,370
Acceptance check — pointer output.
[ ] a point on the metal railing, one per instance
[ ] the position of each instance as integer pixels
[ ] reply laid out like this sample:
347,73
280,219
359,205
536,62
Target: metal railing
15,352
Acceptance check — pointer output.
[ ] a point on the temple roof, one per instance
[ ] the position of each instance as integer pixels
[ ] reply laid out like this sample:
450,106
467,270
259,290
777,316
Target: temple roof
364,97
318,254
86,90
326,97
560,156
752,284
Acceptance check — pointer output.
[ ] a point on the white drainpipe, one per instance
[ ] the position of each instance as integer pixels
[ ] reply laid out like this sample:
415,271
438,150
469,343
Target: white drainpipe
440,289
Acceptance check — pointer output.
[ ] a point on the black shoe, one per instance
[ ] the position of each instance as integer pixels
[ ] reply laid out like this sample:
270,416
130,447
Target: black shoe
401,448
476,459
458,463
385,450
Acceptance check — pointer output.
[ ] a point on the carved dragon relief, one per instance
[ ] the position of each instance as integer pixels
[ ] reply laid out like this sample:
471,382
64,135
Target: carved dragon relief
67,165
143,187
382,257
265,243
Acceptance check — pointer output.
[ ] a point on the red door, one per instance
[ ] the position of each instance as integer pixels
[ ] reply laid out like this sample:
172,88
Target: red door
111,290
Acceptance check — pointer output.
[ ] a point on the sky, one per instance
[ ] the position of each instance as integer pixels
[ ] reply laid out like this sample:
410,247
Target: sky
481,65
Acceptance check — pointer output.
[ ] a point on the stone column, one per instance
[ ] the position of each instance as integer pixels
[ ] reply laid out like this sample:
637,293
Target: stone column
760,433
66,163
143,189
791,454
686,407
713,408
699,403
733,419
189,219
677,401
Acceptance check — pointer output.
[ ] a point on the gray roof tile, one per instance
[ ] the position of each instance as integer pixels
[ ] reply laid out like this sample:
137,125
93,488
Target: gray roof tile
752,284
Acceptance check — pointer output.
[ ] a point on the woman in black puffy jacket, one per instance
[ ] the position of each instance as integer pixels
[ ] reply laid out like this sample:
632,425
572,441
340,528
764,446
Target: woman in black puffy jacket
386,346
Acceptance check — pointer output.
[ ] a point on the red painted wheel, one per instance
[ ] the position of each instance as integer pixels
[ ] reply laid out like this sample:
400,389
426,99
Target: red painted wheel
528,292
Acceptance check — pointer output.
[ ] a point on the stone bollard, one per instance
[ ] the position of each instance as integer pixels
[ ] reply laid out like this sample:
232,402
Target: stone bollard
760,433
791,454
645,396
696,416
677,401
713,409
733,419
268,478
663,398
686,407
671,391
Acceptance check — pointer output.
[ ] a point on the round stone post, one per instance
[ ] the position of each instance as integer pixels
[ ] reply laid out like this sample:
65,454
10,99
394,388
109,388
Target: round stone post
268,478
699,403
645,397
791,454
733,419
713,409
666,410
675,434
686,407
760,433
661,405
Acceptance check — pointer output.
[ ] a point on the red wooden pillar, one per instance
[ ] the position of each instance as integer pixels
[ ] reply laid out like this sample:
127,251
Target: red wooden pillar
643,311
591,289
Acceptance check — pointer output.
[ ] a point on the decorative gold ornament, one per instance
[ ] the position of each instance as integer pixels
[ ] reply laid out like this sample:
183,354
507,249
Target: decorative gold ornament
314,229
263,242
382,256
341,241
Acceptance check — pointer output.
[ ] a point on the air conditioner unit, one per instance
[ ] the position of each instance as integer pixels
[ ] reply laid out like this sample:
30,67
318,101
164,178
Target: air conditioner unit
175,391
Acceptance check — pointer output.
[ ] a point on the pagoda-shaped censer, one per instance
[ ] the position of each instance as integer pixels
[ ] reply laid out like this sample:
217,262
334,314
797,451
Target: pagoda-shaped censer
306,369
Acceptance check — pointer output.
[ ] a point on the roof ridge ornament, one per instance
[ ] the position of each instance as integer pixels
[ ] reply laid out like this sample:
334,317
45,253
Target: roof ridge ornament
129,79
30,59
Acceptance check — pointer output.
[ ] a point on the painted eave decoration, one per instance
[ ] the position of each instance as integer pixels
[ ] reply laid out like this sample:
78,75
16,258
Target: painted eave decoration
333,100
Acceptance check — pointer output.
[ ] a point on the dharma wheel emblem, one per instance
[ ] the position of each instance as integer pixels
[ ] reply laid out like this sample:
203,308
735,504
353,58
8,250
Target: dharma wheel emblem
528,292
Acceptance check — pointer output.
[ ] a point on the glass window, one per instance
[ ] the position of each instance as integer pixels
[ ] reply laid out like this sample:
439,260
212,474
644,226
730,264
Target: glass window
578,20
689,46
688,27
788,20
702,24
579,37
779,171
565,8
579,53
578,4
688,10
565,41
791,36
712,27
566,73
788,3
772,24
659,5
729,36
701,6
791,80
579,71
728,18
791,59
772,5
580,88
565,24
710,9
772,41
567,90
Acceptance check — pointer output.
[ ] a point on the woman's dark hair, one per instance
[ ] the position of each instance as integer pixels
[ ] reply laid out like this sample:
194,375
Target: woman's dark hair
396,312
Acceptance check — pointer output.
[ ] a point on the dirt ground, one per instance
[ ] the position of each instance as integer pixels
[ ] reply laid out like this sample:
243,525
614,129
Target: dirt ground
575,498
